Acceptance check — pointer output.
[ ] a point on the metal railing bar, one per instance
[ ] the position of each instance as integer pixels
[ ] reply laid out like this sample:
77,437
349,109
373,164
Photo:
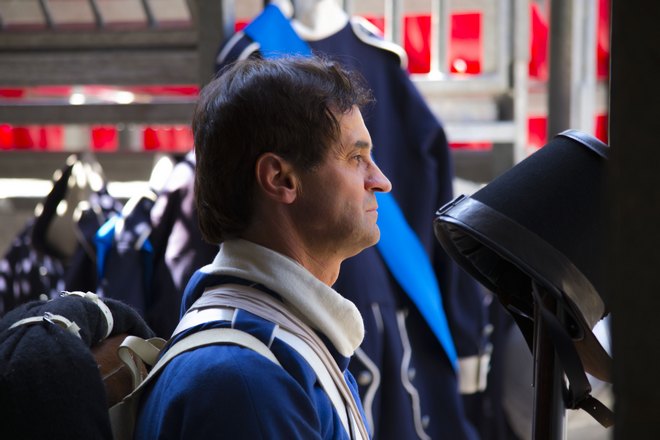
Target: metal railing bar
439,35
151,20
45,9
394,21
98,17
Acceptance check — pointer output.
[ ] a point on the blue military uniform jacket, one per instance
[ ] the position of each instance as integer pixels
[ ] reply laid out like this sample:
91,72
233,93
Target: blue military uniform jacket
227,391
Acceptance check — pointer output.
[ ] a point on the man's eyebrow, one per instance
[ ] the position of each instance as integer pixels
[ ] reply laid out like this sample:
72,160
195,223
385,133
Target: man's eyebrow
363,144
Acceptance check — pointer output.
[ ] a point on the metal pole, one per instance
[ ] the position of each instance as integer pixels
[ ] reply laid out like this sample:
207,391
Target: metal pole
439,36
549,408
215,23
394,21
348,6
583,79
520,77
559,84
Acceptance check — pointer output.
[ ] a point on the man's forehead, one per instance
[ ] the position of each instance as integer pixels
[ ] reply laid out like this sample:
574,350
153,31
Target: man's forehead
354,133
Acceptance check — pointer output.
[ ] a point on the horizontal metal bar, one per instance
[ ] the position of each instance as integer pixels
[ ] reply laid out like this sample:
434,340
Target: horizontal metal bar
495,132
96,39
117,166
175,66
538,98
162,112
28,192
474,165
431,85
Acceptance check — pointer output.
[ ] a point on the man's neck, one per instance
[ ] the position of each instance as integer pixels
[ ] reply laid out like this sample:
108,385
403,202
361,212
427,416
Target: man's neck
321,264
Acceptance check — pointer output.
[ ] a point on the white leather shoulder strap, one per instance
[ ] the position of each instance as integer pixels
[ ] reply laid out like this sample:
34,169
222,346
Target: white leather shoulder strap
122,415
324,377
300,337
190,342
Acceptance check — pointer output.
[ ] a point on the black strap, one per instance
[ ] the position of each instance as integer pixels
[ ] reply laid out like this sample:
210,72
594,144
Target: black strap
598,411
578,394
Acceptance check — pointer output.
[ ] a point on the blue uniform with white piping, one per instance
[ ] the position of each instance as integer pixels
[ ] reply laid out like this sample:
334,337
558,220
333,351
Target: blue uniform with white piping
226,391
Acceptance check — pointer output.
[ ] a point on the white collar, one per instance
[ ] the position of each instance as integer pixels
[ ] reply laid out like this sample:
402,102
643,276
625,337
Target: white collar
319,305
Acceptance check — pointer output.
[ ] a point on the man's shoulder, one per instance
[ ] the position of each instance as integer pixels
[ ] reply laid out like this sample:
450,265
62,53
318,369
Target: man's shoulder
248,395
238,374
223,364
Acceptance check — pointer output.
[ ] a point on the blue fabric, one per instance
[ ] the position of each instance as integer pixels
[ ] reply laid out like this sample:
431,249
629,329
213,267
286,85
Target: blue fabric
275,35
256,326
410,265
103,239
124,270
226,391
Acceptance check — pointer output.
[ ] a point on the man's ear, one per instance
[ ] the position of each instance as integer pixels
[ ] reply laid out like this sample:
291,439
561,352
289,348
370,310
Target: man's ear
277,178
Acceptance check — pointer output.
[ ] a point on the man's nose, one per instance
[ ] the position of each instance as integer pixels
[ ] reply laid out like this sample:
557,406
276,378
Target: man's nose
377,181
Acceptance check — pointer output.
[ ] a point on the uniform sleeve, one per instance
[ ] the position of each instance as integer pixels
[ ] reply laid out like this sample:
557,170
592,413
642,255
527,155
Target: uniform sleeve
226,391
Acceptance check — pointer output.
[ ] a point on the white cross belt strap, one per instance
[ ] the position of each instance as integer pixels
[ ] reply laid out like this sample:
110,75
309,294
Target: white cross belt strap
123,414
292,331
196,317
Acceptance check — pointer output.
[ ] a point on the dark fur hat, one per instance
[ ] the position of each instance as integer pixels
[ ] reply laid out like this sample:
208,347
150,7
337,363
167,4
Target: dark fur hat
542,221
50,385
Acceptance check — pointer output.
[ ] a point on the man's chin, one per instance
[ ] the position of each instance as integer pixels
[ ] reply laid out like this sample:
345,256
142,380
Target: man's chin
367,242
376,235
374,238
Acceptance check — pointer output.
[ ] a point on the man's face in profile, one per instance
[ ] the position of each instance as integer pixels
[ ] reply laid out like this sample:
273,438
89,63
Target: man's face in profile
338,208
